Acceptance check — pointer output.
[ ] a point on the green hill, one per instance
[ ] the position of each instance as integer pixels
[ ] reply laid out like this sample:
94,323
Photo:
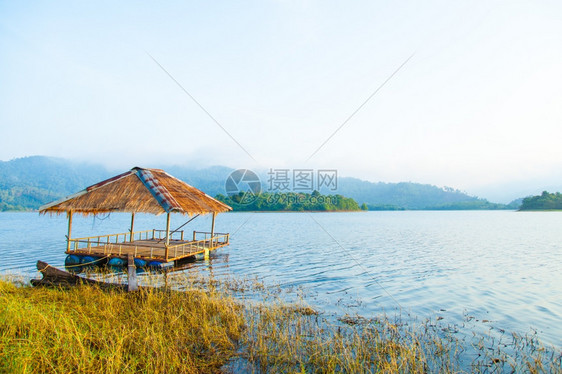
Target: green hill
545,201
290,201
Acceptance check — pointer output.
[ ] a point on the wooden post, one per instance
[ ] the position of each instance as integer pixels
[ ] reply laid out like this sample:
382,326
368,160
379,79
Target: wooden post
213,227
213,230
132,284
167,235
132,227
210,244
69,231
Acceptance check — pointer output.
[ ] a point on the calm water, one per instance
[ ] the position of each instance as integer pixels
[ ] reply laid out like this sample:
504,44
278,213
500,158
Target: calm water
504,267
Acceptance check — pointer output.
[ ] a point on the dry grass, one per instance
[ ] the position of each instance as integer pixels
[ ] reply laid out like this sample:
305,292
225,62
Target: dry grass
205,329
295,339
88,330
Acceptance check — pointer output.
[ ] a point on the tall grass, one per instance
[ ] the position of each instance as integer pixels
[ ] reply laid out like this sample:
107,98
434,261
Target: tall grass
88,330
205,329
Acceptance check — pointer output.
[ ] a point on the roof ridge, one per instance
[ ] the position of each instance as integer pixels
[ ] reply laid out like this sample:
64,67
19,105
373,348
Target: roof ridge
196,190
151,169
160,193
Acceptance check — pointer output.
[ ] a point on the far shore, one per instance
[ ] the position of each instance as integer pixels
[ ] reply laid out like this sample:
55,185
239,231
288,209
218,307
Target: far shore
349,211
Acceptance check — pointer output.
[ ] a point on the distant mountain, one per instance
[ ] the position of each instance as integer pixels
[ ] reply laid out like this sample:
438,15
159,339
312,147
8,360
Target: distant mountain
412,196
515,204
210,180
405,195
29,182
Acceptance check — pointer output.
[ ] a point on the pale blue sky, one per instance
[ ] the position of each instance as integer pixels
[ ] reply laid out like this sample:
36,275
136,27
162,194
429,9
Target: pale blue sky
478,107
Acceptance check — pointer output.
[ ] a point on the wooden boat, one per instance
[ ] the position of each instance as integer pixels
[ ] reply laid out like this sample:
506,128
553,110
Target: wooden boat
56,277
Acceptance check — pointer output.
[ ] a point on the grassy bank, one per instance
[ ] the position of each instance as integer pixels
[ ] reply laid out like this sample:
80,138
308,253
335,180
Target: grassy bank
206,330
88,330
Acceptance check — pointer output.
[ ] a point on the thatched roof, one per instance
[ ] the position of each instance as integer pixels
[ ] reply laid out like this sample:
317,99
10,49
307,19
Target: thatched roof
138,191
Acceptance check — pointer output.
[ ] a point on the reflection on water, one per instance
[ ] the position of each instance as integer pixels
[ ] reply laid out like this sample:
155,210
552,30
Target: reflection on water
500,267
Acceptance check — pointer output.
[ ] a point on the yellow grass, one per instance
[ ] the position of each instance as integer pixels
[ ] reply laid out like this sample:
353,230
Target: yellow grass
205,329
88,330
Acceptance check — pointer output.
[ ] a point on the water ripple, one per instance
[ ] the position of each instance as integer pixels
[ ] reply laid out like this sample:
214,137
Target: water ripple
498,266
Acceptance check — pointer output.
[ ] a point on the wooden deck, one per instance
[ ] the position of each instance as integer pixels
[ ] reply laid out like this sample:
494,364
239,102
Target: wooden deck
148,245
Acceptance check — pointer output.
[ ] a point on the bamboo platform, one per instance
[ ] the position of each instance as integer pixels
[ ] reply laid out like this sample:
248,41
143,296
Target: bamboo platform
149,245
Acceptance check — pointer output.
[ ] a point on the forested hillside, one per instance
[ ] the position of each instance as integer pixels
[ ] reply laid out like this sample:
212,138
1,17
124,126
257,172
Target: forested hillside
27,183
408,195
290,201
545,201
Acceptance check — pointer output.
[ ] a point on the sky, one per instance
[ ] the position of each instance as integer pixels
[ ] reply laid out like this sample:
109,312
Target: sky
466,94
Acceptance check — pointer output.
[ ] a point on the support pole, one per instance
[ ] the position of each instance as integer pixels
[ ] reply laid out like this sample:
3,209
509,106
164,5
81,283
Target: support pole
132,227
167,235
213,225
68,237
211,244
132,284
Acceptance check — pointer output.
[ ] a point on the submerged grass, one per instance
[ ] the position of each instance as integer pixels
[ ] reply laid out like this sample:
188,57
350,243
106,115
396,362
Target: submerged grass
205,329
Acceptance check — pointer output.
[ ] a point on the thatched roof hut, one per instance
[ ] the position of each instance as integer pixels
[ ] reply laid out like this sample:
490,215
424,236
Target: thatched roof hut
138,191
141,191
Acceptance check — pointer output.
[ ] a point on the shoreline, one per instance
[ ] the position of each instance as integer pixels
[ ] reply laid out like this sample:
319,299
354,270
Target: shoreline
350,211
205,328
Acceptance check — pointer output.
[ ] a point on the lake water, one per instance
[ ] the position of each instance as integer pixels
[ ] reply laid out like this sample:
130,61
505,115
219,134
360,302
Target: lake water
504,267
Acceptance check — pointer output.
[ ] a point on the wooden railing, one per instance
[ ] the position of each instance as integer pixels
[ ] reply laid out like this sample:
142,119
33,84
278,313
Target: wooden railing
123,238
206,235
208,243
174,235
124,243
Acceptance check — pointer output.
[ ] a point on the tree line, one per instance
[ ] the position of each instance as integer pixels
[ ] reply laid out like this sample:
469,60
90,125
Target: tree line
545,201
290,201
